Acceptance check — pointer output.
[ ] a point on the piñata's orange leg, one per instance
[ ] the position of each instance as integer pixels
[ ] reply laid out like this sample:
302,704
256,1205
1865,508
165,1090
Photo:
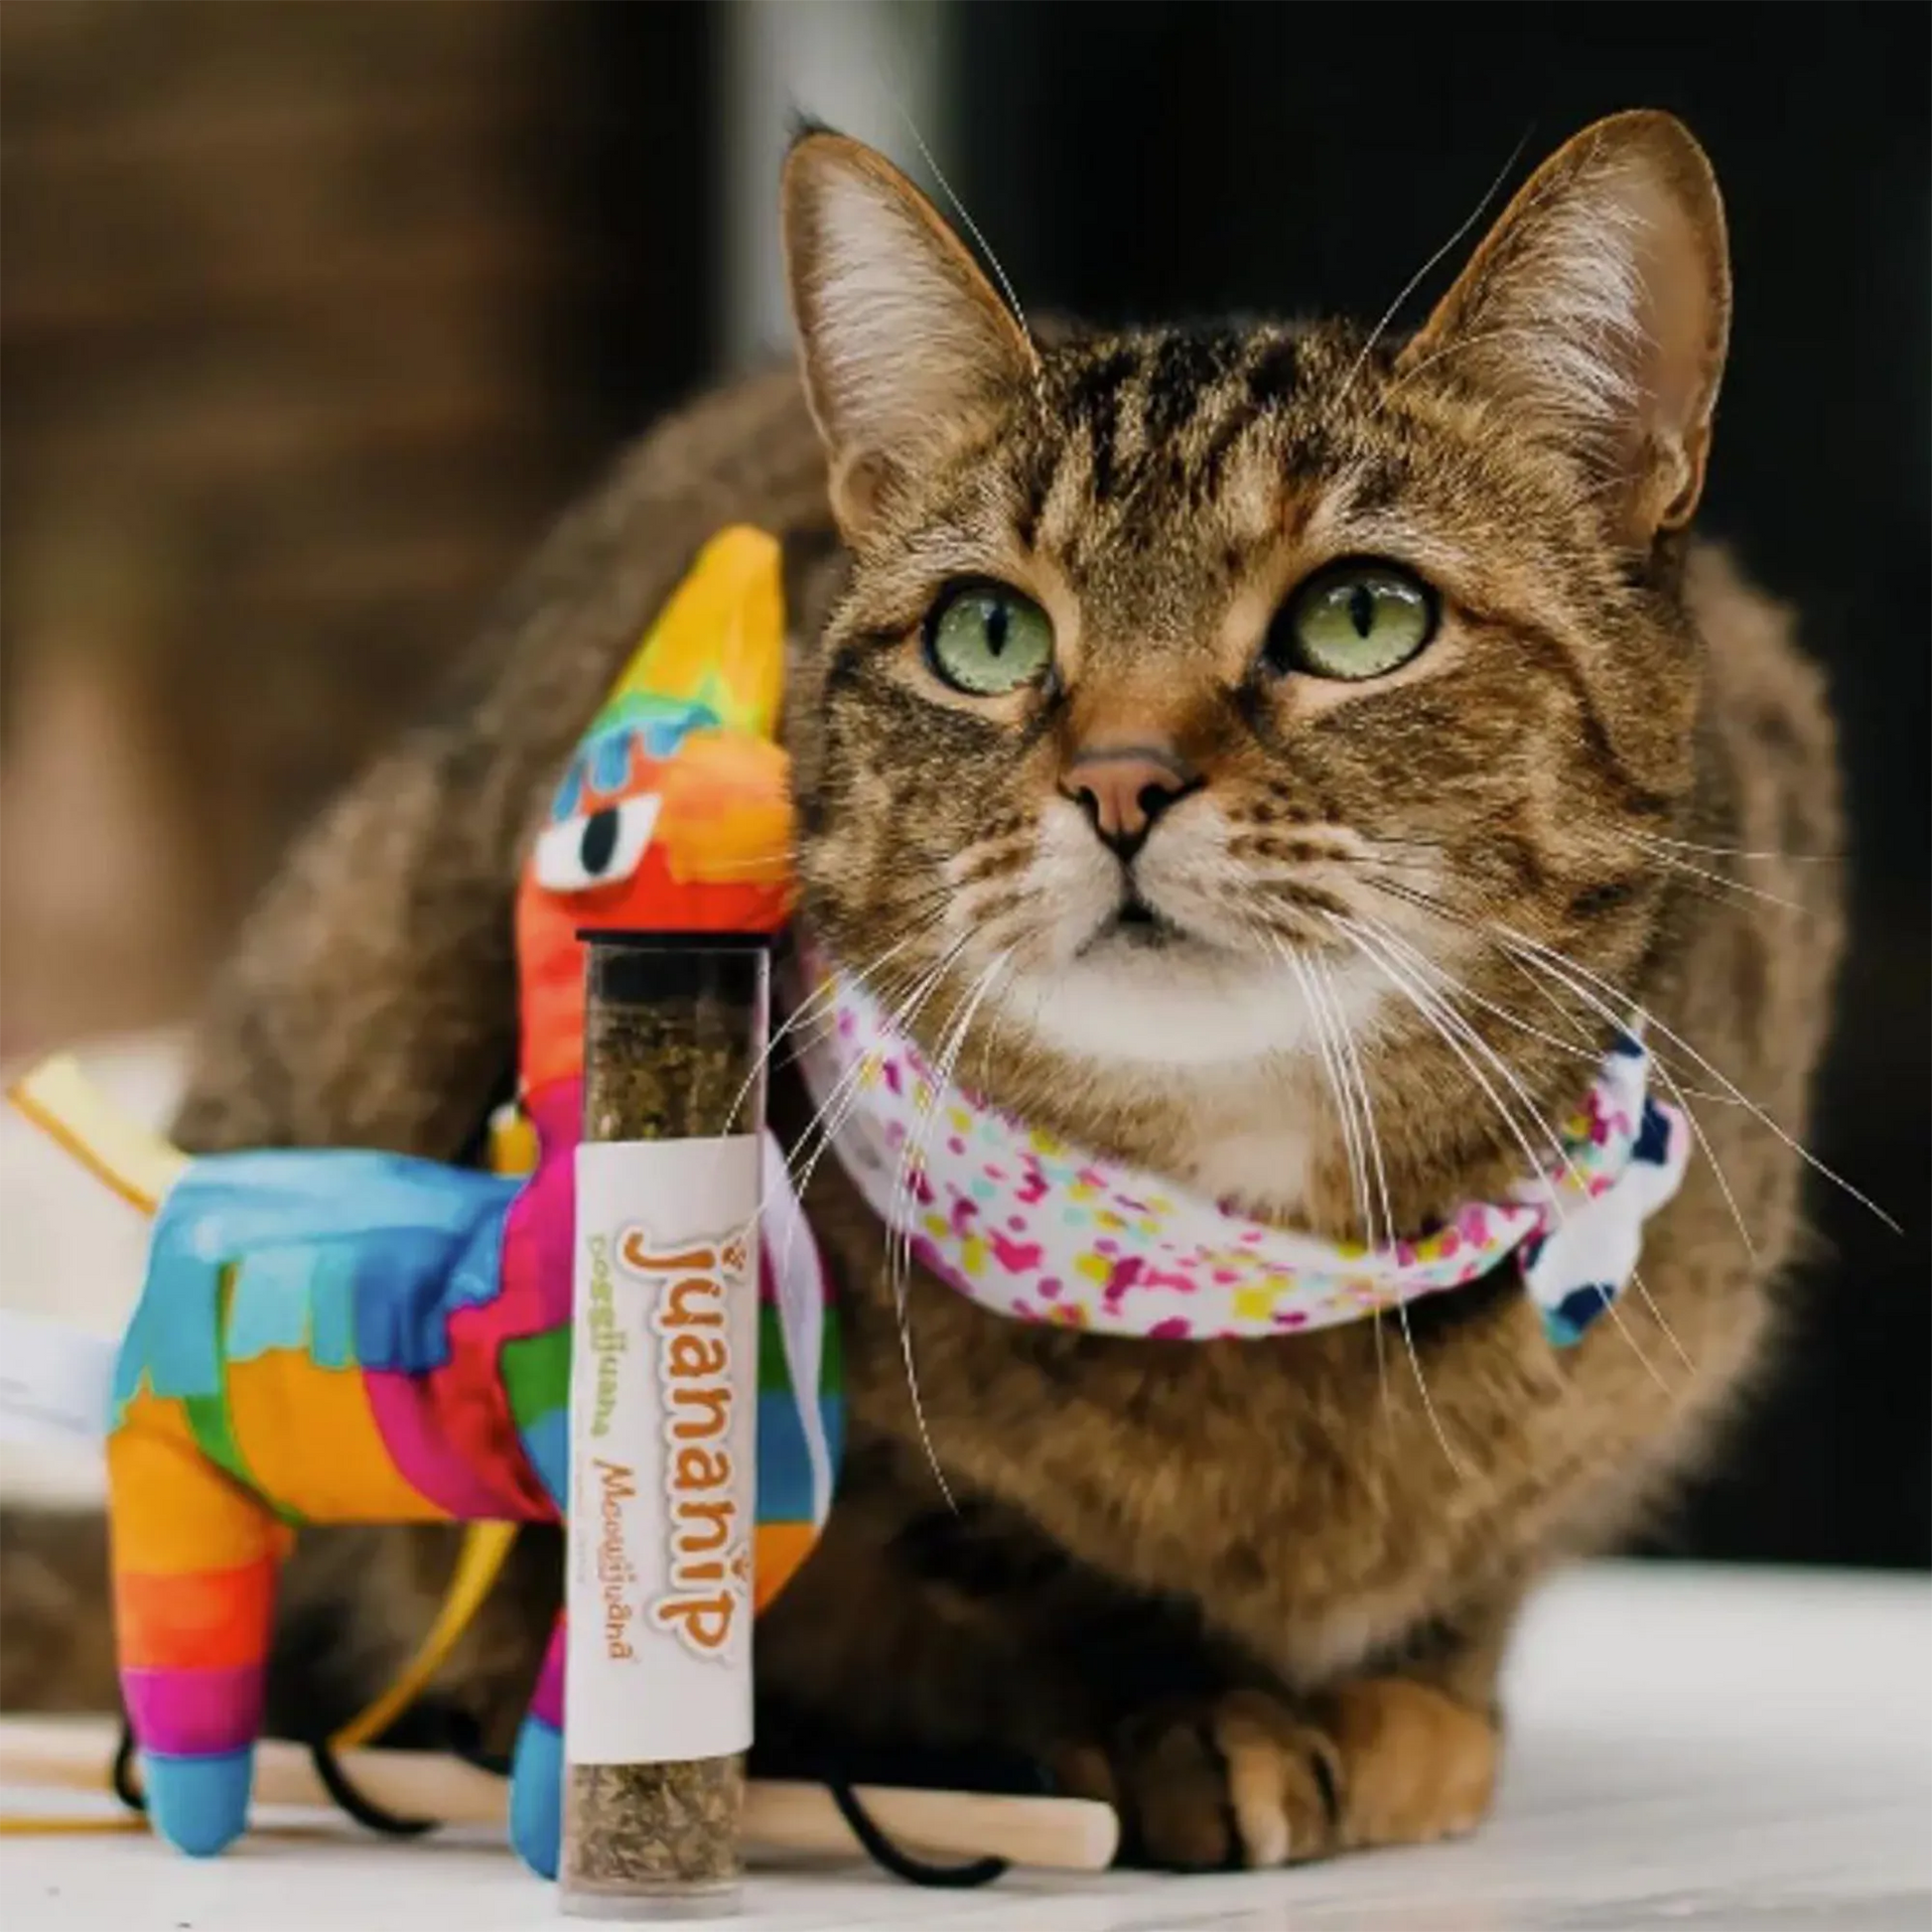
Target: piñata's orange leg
193,1562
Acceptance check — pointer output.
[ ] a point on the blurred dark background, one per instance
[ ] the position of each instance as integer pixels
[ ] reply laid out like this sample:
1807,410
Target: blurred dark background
311,314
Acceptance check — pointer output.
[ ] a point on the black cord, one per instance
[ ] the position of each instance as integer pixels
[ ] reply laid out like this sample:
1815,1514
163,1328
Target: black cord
901,1864
371,1816
462,1738
122,1776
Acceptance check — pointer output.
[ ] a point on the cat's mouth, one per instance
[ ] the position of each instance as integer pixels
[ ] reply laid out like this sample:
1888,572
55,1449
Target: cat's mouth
1136,923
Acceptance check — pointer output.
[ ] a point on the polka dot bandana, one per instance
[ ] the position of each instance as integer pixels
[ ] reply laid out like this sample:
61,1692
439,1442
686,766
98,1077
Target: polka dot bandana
1034,1228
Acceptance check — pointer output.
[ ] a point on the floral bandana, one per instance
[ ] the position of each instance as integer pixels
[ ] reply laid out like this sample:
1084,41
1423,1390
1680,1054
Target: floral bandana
1035,1229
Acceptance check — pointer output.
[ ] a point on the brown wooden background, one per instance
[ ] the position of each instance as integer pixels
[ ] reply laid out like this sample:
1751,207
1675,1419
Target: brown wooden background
308,320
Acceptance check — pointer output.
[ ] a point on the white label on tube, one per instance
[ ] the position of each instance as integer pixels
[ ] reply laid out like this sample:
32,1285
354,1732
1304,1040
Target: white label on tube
664,1445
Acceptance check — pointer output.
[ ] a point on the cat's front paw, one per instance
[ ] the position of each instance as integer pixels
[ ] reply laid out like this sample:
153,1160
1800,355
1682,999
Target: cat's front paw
1417,1766
1248,1779
1201,1785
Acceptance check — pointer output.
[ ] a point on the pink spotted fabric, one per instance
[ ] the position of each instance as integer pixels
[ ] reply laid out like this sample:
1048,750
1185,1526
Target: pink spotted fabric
1040,1231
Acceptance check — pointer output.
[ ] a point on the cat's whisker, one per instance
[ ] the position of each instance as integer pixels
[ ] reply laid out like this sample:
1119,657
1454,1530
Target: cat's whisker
1356,1152
1423,865
951,1043
921,988
1440,976
898,1237
1683,868
1379,841
1433,908
992,1023
1421,274
1419,858
1697,1128
910,1158
802,1161
1450,1024
972,228
837,1110
1346,1043
1562,962
1656,1314
1421,1387
818,1002
975,912
840,1104
1436,1007
1543,989
1393,940
1418,897
1331,1050
1350,1052
830,1121
811,1035
901,1019
1474,338
1637,1281
1541,982
825,1020
1739,851
798,1166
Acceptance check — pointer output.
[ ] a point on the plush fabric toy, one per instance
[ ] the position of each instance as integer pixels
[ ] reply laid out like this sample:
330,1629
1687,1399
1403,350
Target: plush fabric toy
342,1336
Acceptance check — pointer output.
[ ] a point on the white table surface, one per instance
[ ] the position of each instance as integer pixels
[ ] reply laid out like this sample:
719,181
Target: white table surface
1689,1747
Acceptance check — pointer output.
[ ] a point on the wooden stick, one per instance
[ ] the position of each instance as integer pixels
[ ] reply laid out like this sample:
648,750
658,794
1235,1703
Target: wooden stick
68,1107
1049,1833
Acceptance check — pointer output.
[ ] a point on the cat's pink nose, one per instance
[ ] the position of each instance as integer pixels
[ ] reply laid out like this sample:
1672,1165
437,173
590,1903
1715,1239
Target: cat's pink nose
1124,788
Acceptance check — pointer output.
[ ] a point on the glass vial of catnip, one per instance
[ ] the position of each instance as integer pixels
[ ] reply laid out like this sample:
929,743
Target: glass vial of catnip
657,1685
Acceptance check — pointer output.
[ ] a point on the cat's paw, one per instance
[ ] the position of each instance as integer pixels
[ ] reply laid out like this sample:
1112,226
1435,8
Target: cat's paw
1417,1766
1248,1779
1206,1785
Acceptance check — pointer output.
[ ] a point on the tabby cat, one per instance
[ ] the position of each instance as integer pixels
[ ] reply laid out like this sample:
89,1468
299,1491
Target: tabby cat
1333,736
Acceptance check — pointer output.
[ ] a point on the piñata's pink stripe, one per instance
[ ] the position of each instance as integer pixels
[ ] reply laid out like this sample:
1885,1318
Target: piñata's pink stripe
194,1712
411,1429
547,1699
541,1228
556,1112
451,1432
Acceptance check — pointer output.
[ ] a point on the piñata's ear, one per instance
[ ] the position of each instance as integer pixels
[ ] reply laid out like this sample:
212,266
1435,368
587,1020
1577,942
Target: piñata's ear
903,343
1599,306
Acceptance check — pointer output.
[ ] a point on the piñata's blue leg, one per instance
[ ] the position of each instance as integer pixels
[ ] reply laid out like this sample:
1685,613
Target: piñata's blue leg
537,1768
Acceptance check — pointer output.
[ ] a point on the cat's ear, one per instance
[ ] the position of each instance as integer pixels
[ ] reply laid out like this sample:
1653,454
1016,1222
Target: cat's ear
903,344
1599,306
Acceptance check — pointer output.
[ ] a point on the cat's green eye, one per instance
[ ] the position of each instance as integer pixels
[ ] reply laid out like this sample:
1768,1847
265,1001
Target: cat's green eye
986,640
1353,620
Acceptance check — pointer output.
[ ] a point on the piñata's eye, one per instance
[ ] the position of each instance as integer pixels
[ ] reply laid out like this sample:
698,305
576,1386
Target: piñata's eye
592,849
